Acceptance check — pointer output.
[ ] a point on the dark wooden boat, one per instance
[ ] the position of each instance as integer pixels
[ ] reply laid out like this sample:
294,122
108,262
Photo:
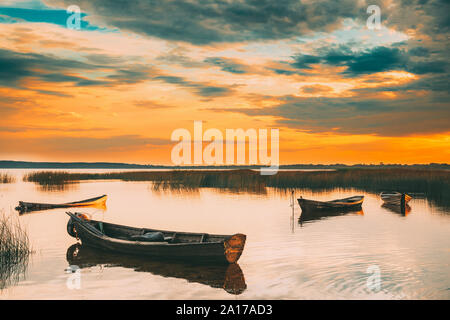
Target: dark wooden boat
154,243
395,198
352,203
226,276
32,206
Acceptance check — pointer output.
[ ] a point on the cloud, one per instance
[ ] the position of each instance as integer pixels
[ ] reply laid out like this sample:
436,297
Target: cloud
21,128
316,88
83,144
382,117
373,60
423,16
16,66
6,110
26,4
202,89
227,65
152,105
209,21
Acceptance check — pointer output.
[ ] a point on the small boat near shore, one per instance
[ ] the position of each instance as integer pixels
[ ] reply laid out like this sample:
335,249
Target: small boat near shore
33,206
351,203
158,244
395,198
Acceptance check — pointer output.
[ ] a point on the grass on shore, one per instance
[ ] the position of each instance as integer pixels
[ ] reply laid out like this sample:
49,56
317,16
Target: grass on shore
6,178
14,250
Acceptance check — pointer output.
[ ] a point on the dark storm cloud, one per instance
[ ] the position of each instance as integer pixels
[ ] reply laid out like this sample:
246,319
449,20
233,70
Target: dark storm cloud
208,21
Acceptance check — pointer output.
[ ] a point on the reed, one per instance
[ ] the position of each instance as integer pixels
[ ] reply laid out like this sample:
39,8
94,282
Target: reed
14,250
434,184
6,178
48,177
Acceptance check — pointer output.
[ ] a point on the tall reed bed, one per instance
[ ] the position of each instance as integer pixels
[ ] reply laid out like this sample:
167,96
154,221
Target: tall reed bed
177,179
433,183
14,250
6,178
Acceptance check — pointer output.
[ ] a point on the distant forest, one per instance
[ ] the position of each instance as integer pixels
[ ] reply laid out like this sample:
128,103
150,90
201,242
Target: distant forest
6,164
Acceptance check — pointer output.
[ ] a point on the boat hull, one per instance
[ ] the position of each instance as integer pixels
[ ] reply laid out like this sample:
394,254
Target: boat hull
395,198
32,206
346,204
191,246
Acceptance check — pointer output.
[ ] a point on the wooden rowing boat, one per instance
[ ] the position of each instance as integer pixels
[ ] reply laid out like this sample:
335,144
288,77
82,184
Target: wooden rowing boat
395,198
32,206
225,276
154,243
352,203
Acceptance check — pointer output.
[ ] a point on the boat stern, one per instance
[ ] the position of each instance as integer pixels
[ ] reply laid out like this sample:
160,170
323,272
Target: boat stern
234,246
407,198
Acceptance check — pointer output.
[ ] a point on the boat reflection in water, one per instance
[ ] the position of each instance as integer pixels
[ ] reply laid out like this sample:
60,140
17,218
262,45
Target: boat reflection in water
402,210
313,215
226,276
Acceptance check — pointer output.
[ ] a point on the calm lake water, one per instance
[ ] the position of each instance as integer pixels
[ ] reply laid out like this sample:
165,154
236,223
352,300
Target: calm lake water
284,257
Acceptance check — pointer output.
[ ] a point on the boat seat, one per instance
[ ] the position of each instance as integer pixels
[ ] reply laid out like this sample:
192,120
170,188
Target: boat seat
171,239
204,237
149,237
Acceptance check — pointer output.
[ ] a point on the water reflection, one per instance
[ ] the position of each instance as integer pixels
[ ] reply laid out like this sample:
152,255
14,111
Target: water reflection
229,277
324,260
181,188
309,216
402,210
58,187
12,273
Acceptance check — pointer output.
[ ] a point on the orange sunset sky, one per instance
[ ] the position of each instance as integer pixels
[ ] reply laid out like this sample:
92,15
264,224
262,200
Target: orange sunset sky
135,71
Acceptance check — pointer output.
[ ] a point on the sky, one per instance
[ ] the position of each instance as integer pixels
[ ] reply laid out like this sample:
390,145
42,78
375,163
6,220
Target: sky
115,89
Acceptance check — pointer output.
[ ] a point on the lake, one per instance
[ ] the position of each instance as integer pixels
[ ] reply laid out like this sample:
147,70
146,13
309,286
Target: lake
285,257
